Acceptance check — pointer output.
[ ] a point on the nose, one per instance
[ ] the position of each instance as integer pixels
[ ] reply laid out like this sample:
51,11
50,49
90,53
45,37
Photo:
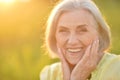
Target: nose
73,40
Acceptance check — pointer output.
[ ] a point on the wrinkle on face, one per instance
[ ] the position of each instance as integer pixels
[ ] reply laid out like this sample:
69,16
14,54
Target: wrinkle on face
75,29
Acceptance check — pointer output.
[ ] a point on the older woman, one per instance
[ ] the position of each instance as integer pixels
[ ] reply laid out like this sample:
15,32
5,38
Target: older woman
79,36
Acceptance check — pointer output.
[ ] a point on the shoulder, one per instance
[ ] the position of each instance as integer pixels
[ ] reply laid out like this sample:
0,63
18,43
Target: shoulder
111,60
111,68
108,68
107,59
50,72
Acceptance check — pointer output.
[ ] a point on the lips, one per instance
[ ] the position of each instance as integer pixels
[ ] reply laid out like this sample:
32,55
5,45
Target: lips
74,50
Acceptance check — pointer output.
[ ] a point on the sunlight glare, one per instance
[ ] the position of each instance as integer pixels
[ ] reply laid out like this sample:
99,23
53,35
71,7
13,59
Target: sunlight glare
7,1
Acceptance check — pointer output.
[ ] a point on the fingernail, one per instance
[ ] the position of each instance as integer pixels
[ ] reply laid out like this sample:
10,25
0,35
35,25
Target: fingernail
98,41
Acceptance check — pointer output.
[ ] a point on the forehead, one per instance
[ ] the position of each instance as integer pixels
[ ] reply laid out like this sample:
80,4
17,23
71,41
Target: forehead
76,17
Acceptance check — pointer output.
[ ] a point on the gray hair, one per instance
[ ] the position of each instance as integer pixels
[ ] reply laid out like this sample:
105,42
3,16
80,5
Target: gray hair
70,5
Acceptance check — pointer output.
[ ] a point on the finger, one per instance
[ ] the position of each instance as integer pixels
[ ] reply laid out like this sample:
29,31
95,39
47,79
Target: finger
96,56
85,58
83,67
100,53
60,53
94,53
94,49
87,53
65,67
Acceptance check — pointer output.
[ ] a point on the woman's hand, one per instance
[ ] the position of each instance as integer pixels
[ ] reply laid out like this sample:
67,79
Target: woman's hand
88,63
65,66
85,66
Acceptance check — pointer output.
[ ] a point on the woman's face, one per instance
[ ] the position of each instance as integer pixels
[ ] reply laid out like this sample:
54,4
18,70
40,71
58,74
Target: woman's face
76,30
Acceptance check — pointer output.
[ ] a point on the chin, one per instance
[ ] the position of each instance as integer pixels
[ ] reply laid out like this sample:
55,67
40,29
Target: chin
73,62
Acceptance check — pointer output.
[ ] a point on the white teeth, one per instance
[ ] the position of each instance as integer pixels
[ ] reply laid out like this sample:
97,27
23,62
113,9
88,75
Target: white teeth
74,50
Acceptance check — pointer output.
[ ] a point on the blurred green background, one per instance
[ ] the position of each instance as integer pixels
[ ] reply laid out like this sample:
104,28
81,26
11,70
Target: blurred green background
22,26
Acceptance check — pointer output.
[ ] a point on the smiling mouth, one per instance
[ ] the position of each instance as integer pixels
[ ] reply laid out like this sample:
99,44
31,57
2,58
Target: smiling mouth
74,50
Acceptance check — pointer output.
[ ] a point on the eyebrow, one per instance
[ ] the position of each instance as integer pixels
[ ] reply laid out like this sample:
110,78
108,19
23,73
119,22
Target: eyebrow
63,27
81,26
78,26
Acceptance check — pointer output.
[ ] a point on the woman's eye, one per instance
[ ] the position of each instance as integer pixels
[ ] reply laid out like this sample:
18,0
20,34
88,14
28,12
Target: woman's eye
82,30
62,30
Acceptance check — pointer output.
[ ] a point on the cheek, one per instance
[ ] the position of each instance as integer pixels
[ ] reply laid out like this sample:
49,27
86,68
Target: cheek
60,40
88,39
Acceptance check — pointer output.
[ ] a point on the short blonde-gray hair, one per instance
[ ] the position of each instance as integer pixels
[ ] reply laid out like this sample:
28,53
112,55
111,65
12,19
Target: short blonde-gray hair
70,5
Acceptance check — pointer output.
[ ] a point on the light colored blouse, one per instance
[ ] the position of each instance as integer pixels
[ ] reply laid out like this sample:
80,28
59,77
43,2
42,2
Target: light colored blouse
107,69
